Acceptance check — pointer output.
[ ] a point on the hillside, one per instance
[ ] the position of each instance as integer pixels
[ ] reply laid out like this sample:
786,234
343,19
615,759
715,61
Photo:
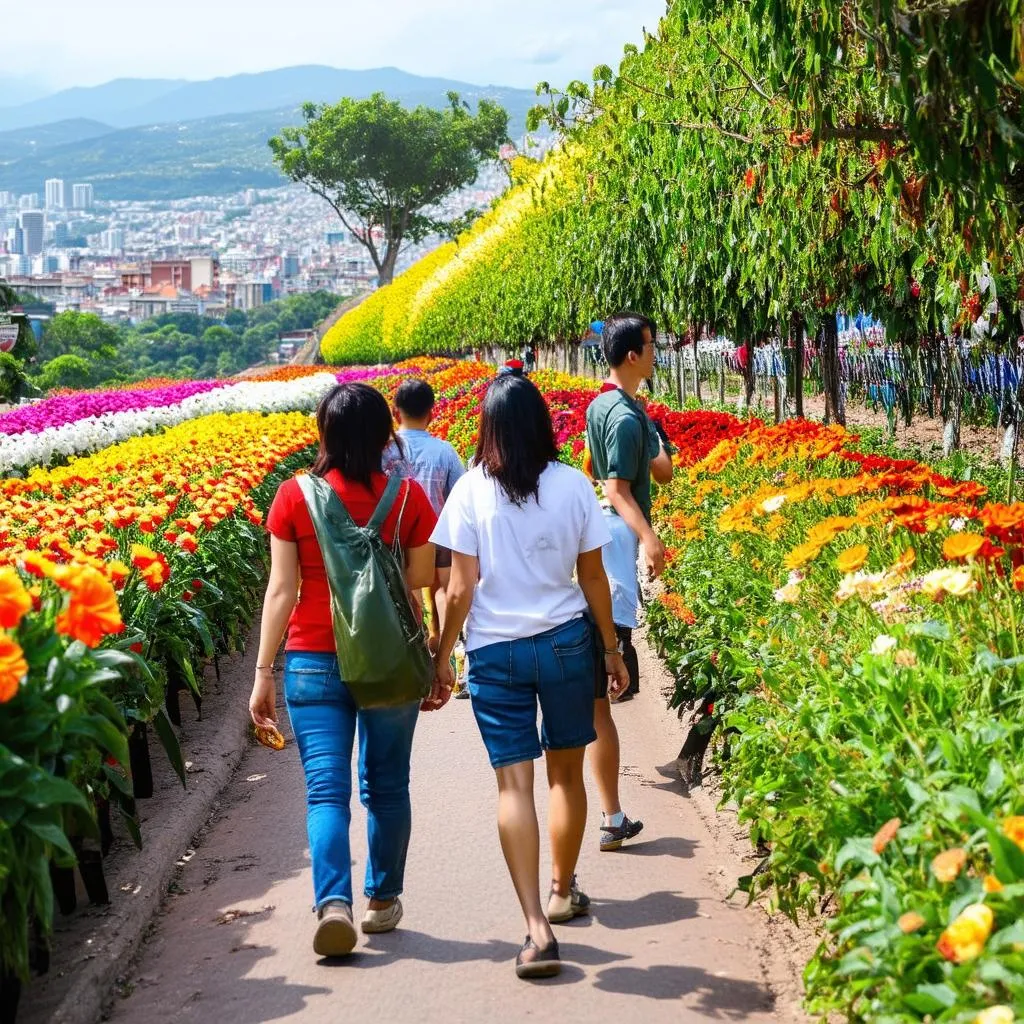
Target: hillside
22,142
219,151
130,103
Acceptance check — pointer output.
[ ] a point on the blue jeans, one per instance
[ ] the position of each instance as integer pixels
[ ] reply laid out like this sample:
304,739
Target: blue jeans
324,718
620,558
509,678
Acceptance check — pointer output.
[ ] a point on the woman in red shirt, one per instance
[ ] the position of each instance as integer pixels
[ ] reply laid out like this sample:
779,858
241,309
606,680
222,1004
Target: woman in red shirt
355,427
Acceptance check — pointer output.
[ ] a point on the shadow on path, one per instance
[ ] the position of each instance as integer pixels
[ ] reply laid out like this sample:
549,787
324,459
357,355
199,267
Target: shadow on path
654,908
716,998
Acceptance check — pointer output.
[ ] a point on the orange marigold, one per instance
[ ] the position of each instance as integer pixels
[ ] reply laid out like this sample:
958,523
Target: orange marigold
946,866
92,612
886,834
958,546
910,922
1013,828
15,602
13,667
852,558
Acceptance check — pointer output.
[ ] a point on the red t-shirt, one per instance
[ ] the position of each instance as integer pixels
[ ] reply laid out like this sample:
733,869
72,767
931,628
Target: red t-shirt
309,628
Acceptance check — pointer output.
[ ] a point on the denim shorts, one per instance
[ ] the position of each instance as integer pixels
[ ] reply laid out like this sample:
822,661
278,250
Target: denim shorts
620,565
508,679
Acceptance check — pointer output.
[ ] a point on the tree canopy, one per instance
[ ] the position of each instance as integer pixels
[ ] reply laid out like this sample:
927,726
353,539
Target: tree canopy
384,168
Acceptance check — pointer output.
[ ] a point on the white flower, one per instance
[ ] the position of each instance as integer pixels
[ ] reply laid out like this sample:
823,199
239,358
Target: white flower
773,504
796,576
789,594
957,524
883,643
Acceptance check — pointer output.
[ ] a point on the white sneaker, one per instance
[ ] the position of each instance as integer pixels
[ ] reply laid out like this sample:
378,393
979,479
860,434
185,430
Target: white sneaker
376,922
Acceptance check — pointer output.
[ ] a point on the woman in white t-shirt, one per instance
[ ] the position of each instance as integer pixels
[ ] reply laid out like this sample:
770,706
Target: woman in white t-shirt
526,534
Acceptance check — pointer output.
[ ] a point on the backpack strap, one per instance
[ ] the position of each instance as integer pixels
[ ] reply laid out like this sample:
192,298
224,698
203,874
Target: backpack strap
310,485
386,503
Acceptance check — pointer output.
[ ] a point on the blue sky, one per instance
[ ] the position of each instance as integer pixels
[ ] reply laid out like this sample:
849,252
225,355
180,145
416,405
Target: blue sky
506,42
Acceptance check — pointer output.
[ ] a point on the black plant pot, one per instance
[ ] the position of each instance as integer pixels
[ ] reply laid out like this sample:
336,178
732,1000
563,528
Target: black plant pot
10,996
103,821
176,682
141,766
63,881
90,865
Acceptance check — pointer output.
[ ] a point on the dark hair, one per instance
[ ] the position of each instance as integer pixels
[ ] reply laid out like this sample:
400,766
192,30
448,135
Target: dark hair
624,333
355,427
517,438
415,398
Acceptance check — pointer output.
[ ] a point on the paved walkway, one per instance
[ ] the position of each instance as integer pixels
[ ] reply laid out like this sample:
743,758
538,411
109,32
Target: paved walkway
234,942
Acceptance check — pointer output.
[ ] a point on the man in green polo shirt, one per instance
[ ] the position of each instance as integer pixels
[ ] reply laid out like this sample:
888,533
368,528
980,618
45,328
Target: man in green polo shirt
626,452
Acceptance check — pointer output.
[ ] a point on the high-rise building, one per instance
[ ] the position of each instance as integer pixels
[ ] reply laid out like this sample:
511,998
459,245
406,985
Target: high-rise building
7,200
16,241
29,201
60,234
33,224
82,197
55,193
113,240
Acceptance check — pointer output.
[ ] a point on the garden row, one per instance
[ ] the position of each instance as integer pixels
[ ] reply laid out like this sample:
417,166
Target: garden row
847,620
121,574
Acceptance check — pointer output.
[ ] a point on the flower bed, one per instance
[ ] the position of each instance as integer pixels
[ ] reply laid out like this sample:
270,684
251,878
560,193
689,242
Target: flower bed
853,621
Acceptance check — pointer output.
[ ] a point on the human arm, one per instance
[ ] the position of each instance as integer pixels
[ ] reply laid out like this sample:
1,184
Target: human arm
282,592
661,465
419,567
459,598
621,497
594,583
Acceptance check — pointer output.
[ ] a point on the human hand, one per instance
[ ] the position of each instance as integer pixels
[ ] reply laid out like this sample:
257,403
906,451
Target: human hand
263,699
618,675
441,690
654,554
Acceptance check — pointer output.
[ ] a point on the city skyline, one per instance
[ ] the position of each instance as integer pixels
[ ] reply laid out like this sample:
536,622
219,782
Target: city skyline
488,42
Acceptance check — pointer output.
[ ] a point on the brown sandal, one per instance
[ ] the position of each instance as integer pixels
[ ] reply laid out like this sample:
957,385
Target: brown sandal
534,962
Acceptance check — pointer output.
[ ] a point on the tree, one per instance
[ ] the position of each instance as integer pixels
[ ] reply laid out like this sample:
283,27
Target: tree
383,168
67,371
80,334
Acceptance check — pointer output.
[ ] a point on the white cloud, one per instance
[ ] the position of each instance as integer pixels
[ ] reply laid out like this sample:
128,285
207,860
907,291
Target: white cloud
481,41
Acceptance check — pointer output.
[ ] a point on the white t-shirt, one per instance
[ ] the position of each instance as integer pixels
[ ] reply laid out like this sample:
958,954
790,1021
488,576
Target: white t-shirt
527,554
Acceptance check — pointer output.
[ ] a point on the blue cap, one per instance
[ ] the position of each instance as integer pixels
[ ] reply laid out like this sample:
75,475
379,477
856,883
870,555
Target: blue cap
597,327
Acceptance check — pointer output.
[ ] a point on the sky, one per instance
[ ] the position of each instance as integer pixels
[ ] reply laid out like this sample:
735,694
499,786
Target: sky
484,42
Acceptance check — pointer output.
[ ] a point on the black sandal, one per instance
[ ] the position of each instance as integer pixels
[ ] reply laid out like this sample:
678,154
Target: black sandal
533,962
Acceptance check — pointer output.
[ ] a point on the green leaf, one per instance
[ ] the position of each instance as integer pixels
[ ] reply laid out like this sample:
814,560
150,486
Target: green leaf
169,741
49,832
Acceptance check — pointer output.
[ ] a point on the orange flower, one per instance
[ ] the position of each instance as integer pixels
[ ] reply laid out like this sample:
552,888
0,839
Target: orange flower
852,558
1013,828
958,546
92,612
1018,578
886,834
965,938
991,884
905,562
13,668
911,921
946,867
15,601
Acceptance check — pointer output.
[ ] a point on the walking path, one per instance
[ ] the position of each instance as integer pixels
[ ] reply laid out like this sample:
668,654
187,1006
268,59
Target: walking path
233,942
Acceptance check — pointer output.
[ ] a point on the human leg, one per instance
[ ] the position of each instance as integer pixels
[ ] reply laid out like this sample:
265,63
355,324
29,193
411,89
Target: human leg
385,747
323,719
604,757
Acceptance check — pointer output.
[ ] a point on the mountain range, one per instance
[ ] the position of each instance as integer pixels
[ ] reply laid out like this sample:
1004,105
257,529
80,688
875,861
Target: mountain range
166,138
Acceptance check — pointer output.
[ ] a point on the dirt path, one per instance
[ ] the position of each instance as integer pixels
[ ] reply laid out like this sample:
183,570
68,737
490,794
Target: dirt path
233,941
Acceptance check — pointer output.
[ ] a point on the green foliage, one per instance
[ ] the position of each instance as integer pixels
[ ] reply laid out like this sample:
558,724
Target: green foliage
720,188
382,167
81,351
12,377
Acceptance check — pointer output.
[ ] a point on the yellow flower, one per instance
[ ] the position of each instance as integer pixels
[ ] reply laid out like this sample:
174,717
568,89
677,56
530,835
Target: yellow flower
905,658
991,884
996,1015
789,594
946,867
15,601
956,582
852,558
965,938
962,545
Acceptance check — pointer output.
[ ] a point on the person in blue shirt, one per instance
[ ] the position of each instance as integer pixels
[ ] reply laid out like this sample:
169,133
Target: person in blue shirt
432,463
